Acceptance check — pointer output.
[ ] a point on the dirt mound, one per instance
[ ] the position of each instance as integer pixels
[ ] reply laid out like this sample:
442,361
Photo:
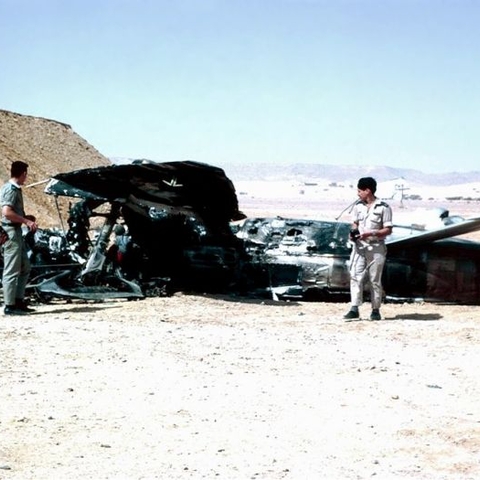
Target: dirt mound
49,147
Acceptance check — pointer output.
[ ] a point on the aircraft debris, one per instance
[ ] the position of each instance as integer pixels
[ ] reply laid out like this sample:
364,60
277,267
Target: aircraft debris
184,231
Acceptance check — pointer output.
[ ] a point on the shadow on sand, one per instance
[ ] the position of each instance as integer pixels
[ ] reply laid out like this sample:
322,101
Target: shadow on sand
421,317
80,309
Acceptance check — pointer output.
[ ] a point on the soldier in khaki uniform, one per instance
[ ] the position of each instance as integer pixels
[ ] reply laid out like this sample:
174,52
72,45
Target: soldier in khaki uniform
16,263
372,222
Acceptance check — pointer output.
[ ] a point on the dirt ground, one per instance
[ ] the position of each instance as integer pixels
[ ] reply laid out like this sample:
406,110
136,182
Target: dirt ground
202,387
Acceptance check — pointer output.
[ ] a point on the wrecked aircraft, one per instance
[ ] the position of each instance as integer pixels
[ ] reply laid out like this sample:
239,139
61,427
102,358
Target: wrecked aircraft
177,226
309,259
177,215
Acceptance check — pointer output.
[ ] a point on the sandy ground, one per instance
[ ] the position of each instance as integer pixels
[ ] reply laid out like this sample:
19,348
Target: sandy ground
207,387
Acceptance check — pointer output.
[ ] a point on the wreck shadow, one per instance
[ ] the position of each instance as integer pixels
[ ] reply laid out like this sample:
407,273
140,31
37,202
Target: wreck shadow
421,317
80,309
252,300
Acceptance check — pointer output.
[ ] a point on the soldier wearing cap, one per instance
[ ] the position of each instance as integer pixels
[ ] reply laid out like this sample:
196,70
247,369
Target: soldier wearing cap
371,224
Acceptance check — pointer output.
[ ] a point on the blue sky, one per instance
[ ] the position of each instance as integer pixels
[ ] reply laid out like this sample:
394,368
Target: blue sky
361,82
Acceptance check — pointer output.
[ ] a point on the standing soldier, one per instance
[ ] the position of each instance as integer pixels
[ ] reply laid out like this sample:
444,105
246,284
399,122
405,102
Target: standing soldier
16,265
372,222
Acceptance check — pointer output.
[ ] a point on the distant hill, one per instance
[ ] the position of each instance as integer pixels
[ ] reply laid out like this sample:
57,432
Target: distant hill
49,147
306,172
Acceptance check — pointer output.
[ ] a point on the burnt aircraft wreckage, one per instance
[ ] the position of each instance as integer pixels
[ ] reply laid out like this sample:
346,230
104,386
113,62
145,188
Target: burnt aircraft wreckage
177,226
309,259
177,216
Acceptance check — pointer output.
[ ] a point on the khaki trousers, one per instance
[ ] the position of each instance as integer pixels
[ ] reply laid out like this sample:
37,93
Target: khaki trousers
367,261
16,266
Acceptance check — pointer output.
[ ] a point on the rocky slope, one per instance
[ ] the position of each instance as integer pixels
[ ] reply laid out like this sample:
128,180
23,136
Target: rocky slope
49,147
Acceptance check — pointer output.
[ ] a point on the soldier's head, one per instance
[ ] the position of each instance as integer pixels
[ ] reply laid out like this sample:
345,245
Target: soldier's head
18,170
367,183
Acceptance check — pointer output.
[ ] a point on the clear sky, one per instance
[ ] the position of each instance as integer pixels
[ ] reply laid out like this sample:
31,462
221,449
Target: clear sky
364,82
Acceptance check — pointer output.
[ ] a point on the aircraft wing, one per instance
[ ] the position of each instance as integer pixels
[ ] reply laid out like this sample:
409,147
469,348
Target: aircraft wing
418,237
185,186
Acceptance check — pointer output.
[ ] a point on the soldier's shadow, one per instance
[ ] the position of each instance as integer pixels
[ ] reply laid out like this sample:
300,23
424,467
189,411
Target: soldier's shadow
421,317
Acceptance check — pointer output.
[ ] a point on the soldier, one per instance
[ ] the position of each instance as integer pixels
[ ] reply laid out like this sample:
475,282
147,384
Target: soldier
16,263
372,223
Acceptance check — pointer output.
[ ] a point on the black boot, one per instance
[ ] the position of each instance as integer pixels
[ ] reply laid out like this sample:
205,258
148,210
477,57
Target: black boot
352,313
13,310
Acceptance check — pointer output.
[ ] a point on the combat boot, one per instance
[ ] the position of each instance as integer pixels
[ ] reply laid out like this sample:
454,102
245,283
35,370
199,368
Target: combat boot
352,314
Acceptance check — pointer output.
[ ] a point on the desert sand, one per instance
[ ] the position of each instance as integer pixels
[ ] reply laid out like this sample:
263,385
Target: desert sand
203,387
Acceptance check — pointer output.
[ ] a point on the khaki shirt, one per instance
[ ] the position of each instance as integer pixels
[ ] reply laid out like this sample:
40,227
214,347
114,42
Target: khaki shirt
372,219
11,195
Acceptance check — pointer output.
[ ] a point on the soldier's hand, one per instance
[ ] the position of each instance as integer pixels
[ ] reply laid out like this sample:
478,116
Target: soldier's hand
32,225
